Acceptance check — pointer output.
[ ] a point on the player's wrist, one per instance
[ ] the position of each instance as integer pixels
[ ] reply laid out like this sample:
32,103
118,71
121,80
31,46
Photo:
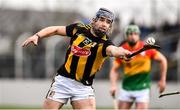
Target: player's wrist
38,36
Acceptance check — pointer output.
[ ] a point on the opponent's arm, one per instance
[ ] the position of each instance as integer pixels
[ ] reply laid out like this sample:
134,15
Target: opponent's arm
114,76
46,32
118,52
163,69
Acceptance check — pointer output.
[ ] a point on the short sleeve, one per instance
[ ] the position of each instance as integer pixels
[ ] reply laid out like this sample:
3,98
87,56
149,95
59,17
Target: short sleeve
106,44
70,28
152,53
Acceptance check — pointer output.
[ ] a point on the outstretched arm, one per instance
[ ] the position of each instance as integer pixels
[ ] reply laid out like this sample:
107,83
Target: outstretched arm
118,52
163,69
46,32
114,76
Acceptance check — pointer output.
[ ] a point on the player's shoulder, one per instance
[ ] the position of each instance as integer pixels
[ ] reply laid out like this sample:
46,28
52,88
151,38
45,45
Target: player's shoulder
83,26
125,44
142,42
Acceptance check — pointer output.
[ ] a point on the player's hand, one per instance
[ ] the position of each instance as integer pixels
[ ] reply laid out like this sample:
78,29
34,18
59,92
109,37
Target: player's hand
161,85
125,54
113,91
124,51
33,39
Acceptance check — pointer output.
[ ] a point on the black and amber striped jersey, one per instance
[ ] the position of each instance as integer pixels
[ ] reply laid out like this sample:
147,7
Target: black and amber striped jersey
85,55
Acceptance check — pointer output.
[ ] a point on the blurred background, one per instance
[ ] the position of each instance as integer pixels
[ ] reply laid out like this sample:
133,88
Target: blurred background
26,73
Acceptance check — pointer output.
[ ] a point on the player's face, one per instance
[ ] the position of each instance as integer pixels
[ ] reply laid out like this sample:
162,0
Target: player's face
133,38
101,26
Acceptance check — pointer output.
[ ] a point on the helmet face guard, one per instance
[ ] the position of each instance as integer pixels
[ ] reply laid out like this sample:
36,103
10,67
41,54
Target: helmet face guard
102,12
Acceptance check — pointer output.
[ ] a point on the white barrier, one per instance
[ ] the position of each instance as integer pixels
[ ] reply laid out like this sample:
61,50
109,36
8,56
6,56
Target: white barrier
32,92
18,55
50,54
